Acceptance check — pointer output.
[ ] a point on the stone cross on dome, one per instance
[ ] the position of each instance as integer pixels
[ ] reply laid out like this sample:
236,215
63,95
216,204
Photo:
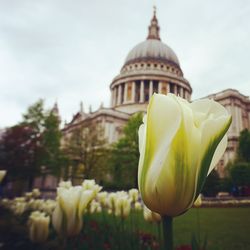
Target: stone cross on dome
154,29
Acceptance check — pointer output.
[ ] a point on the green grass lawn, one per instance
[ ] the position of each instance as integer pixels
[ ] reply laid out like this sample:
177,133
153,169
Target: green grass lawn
224,228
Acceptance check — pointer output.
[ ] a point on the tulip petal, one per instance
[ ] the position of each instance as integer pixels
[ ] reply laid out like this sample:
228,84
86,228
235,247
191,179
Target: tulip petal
86,197
213,132
163,122
221,148
69,202
177,175
141,135
57,219
157,131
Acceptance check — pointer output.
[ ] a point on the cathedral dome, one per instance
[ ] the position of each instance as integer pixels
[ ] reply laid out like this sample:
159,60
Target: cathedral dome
152,49
150,67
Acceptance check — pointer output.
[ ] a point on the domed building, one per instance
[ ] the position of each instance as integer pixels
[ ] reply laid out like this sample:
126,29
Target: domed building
150,67
153,67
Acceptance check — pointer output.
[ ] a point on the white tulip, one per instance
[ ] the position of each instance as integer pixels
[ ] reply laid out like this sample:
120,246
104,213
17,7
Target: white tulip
67,217
180,143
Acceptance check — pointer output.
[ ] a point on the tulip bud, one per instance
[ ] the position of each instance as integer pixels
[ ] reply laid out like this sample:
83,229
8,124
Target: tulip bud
198,202
110,201
38,227
122,206
133,194
2,174
138,206
95,207
67,216
151,216
102,198
91,185
28,195
36,193
65,184
179,143
19,208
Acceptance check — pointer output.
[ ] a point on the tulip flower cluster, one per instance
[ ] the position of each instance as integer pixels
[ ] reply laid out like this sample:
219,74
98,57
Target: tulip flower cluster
29,202
74,202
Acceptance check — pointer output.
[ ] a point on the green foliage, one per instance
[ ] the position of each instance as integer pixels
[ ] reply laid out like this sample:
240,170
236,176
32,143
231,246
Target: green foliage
197,243
125,155
19,152
212,184
52,157
34,117
225,184
244,146
31,144
240,174
87,151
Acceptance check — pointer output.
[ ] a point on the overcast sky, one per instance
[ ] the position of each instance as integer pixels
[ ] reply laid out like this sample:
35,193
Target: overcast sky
70,51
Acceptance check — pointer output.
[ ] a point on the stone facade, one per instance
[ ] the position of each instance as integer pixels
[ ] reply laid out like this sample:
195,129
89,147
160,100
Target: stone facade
238,106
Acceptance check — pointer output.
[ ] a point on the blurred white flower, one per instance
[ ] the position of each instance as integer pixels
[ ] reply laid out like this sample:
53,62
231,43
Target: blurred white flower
95,207
65,184
151,216
133,194
138,206
122,206
2,174
102,198
38,226
36,193
67,217
91,185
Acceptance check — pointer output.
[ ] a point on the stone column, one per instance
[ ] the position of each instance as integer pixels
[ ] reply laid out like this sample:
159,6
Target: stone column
142,98
175,89
119,95
112,98
181,92
125,92
133,92
168,87
150,89
159,87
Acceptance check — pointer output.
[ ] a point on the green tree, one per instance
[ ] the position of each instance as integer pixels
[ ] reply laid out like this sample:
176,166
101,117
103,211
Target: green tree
20,148
244,146
86,149
240,174
52,156
34,117
125,155
32,144
212,184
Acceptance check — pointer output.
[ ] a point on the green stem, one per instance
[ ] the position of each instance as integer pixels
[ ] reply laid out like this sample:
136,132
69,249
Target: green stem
159,233
198,225
167,223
